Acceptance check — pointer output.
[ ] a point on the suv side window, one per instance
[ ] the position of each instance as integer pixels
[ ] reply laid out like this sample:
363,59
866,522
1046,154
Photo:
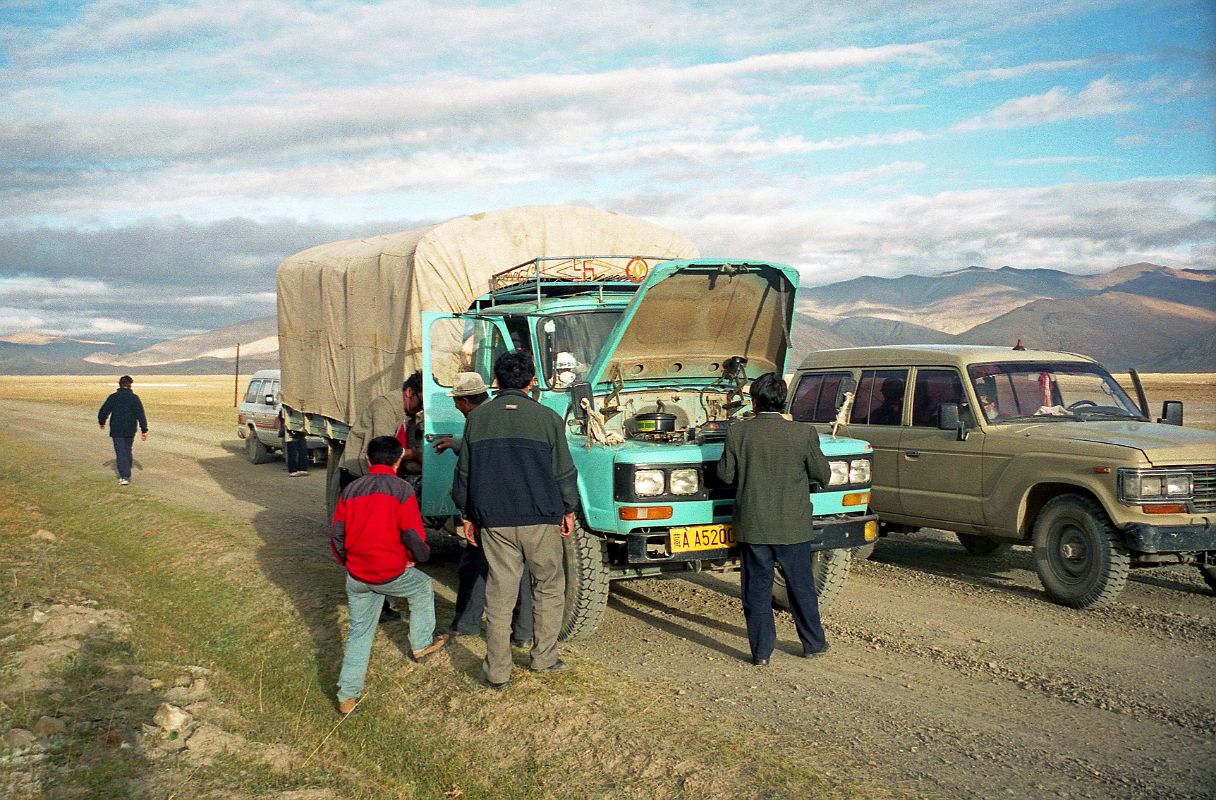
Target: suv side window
273,389
934,387
815,396
880,397
254,391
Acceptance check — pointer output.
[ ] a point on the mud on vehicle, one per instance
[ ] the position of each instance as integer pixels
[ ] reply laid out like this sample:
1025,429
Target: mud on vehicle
1028,447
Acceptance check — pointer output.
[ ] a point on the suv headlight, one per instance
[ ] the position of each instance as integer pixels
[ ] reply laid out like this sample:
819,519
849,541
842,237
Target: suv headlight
859,470
1139,486
648,482
840,473
685,481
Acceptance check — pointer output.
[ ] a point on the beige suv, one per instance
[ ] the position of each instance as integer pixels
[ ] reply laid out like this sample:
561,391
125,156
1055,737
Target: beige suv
1020,446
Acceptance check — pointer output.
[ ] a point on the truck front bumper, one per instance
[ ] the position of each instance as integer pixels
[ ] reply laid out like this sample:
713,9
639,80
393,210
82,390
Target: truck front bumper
653,546
1144,538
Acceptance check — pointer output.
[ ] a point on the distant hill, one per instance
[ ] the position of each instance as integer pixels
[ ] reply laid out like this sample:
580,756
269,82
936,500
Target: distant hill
205,352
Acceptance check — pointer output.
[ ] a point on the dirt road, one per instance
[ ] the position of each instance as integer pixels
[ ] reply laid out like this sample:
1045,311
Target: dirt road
950,675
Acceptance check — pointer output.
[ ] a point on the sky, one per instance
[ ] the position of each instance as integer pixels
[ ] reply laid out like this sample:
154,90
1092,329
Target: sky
159,159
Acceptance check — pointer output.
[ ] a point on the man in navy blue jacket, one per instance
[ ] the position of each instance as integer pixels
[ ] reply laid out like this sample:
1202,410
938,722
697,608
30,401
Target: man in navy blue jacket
125,411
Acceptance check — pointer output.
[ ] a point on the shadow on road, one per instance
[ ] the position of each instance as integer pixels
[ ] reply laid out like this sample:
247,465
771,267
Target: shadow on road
657,610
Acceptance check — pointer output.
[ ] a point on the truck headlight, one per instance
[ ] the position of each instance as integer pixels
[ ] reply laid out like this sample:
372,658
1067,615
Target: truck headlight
840,473
685,481
1137,486
859,470
648,482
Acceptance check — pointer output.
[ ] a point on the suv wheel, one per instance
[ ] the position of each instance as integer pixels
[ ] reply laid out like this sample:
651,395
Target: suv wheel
829,568
983,545
1077,553
1209,575
255,451
586,564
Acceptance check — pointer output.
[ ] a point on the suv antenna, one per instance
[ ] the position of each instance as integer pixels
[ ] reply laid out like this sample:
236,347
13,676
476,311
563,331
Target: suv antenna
1019,345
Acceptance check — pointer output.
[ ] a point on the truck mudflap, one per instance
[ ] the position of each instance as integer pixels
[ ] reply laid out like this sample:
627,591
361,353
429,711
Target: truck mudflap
1145,538
831,533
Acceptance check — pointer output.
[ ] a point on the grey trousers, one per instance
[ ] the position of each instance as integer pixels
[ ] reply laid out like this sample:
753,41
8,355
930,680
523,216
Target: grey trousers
507,549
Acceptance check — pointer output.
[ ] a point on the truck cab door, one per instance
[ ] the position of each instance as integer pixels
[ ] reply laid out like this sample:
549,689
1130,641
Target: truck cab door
451,343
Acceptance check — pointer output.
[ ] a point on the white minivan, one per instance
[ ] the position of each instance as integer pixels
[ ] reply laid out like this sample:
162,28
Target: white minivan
257,421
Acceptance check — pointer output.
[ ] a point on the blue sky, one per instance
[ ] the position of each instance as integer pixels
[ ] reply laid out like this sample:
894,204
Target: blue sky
158,160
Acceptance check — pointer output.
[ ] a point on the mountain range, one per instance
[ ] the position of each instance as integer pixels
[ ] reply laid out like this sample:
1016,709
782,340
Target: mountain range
1146,316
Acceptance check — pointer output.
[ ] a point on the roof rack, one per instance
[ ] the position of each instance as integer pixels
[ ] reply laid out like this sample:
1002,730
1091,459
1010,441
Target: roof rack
532,277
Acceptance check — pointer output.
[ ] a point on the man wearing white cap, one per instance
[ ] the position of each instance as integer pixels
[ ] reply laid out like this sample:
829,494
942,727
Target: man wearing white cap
469,391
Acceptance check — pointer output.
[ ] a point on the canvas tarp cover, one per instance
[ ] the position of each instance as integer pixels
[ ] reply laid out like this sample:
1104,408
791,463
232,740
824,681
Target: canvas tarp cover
349,312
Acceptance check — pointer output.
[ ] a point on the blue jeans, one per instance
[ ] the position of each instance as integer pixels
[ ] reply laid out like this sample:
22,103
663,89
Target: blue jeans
756,577
365,601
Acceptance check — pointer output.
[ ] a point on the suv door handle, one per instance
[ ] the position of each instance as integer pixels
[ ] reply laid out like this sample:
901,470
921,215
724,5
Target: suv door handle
912,453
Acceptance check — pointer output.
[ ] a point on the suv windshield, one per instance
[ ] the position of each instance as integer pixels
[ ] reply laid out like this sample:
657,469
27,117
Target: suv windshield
570,344
1008,391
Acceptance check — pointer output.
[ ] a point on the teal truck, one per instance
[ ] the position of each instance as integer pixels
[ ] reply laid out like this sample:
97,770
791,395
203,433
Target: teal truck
647,359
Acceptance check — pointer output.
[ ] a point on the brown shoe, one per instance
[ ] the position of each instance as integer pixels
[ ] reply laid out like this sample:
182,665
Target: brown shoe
347,706
440,642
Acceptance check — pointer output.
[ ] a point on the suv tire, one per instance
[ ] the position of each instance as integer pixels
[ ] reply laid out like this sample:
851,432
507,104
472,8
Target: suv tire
1077,553
983,545
830,570
1209,575
255,451
586,564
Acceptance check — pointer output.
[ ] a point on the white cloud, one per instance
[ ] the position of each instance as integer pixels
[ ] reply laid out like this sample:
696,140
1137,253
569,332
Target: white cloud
1100,98
32,288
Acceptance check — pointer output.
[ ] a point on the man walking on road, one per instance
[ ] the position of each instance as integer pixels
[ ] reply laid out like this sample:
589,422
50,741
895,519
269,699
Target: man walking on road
515,487
124,411
776,464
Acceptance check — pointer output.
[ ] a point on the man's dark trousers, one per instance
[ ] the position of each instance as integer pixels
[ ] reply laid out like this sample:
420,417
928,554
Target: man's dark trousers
122,455
757,589
471,597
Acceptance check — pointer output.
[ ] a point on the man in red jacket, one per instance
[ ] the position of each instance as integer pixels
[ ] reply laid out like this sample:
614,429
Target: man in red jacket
377,535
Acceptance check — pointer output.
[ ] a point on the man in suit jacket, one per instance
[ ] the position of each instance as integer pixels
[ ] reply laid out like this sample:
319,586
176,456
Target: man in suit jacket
776,464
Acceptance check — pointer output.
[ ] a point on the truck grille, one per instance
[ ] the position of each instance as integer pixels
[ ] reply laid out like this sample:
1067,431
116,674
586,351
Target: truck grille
1205,487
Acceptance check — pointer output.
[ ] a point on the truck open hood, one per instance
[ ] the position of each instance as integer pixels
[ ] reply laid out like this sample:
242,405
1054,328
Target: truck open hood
689,317
1162,445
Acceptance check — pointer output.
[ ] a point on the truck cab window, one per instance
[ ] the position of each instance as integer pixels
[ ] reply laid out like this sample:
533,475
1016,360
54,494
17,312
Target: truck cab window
570,344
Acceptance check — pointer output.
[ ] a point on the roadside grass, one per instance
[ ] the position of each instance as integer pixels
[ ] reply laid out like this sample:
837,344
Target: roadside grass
193,593
204,400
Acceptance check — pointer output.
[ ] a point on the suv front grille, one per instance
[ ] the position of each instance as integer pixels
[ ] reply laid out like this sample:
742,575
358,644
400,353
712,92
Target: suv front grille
1205,488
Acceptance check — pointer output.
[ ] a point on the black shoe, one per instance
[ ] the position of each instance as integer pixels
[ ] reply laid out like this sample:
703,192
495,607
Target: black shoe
520,643
823,651
489,684
454,632
556,666
388,615
759,662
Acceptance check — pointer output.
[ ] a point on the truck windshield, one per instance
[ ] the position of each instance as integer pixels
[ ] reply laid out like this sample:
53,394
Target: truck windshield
1008,391
570,344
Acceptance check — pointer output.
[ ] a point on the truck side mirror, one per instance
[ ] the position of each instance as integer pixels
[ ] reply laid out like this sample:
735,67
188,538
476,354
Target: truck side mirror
847,384
578,392
1171,412
948,419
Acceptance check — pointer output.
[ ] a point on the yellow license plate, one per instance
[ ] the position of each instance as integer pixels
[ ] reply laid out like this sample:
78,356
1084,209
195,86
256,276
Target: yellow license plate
702,537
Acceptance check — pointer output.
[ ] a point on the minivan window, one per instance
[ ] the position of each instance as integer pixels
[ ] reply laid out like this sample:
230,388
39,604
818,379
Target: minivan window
255,388
934,387
815,396
880,397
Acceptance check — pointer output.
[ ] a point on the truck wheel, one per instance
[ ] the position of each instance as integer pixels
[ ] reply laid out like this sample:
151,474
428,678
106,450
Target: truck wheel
255,451
1077,553
983,545
332,477
864,552
586,583
1209,575
829,568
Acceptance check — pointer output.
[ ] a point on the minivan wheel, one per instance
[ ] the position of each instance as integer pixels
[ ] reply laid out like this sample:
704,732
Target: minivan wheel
829,568
255,451
1209,575
983,545
1077,553
586,564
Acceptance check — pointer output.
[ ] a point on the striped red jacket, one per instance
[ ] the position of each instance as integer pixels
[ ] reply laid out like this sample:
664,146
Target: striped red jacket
377,531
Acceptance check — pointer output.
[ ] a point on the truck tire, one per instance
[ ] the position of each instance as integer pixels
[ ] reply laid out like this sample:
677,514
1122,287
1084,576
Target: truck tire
1077,553
586,583
829,568
864,552
255,451
332,477
1209,575
983,545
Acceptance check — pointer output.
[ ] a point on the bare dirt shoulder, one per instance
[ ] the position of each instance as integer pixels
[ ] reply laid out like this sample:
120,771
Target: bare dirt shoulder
950,675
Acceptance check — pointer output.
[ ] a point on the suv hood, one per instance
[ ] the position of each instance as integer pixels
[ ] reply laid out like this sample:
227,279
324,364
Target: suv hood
689,317
1162,445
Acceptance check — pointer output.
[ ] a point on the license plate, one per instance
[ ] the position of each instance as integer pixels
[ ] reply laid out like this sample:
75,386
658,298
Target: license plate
702,537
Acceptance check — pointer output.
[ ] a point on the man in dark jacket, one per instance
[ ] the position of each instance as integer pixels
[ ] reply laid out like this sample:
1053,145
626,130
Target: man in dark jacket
776,464
377,535
125,411
515,486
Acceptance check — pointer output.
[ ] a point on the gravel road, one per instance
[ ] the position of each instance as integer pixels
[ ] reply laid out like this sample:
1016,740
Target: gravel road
950,674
